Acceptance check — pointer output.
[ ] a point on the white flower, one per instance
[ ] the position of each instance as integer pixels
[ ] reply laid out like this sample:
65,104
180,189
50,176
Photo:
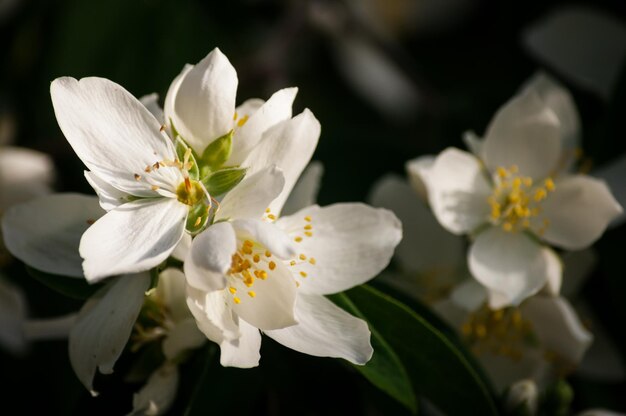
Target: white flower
134,168
200,107
541,339
249,274
24,174
517,194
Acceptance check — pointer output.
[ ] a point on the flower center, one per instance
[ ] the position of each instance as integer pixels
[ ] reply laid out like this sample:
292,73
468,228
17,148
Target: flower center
501,332
251,261
516,201
190,192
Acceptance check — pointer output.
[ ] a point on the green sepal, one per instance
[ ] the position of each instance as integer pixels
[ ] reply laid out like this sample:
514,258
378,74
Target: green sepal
223,180
216,154
181,150
197,218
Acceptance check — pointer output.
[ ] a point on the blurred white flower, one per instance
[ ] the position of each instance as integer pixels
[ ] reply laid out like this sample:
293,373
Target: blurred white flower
522,397
515,193
257,271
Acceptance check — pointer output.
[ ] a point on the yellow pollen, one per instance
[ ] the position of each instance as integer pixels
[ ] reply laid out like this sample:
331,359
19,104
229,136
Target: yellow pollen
540,194
232,290
292,263
246,250
307,218
549,184
267,210
198,221
308,227
236,116
268,254
312,260
154,187
502,173
308,233
507,226
297,239
272,217
256,258
303,274
263,275
248,243
251,294
302,257
272,265
242,121
137,177
237,300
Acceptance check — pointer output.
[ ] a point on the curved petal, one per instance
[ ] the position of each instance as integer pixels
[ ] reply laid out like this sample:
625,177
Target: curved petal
249,107
151,102
24,174
267,303
425,247
184,336
525,132
558,327
469,295
132,238
183,247
613,173
304,193
578,211
104,325
210,257
416,169
253,195
349,244
458,191
113,134
49,328
159,392
12,317
171,291
288,145
511,264
110,197
170,97
50,242
326,330
270,113
204,103
268,234
243,352
213,327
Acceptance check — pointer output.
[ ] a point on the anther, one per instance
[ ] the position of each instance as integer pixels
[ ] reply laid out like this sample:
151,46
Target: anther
272,265
137,177
302,257
307,218
312,260
251,294
232,290
297,239
237,300
303,274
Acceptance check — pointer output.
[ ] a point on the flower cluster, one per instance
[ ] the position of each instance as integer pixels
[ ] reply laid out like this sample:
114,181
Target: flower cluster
198,187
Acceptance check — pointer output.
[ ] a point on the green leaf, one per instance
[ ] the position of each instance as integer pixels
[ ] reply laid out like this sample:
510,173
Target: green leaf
223,180
183,150
438,370
197,218
76,288
384,370
217,153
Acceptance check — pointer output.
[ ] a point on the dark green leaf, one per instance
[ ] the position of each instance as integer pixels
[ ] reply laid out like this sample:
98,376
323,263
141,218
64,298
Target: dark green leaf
384,370
76,288
223,180
430,358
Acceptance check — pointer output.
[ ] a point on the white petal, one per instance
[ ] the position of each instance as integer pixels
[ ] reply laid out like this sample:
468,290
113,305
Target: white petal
525,132
268,234
253,195
151,102
24,174
568,39
579,210
210,257
511,263
425,247
416,169
305,191
50,242
458,191
134,237
560,101
249,107
110,197
469,295
183,337
272,112
215,320
159,392
269,303
288,145
613,174
12,316
170,97
113,134
104,326
204,104
183,247
171,291
558,327
351,243
243,352
325,330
